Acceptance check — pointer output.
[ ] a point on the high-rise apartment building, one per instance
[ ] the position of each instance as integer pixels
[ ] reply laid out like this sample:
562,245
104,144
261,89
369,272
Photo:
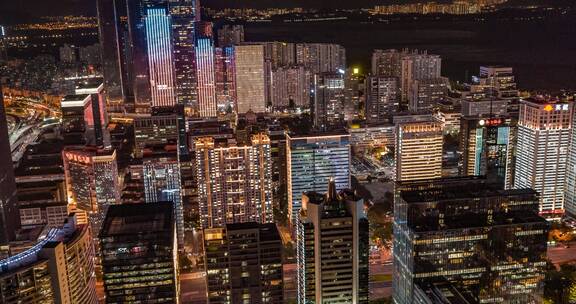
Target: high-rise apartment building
58,269
244,264
280,54
487,242
382,98
312,160
234,180
139,254
387,63
426,93
184,13
91,182
542,153
290,87
205,69
419,146
321,57
250,78
329,96
230,35
160,57
9,219
332,248
418,66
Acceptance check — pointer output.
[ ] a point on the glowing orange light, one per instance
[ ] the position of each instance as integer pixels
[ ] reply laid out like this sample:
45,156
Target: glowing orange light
548,108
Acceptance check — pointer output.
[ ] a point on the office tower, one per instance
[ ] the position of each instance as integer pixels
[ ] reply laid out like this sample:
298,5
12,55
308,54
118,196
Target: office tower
76,114
290,87
91,182
311,161
139,254
544,130
426,93
244,264
205,62
160,57
230,35
354,94
487,146
115,52
419,147
250,82
498,82
418,66
570,191
332,248
98,128
184,13
484,106
329,94
234,180
225,79
382,99
485,241
162,183
59,268
387,63
320,57
159,129
9,219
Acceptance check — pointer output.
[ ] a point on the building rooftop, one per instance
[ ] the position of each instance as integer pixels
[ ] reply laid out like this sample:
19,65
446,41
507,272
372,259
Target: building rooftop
129,219
462,191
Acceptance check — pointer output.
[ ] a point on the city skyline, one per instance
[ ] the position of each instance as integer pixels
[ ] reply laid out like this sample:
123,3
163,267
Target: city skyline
363,152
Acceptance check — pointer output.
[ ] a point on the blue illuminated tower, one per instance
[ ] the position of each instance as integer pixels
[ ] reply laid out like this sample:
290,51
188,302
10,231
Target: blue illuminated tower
160,61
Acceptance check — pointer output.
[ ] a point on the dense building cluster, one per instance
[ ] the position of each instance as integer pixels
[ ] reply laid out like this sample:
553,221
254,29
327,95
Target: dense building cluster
248,161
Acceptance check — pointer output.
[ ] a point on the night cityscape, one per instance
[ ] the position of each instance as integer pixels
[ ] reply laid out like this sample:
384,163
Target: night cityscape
288,151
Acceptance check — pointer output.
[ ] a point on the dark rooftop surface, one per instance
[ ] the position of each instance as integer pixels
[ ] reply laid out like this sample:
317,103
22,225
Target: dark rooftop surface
128,219
478,190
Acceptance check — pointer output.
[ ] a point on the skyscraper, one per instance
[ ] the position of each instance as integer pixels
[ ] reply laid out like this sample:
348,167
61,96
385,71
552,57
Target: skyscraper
114,50
487,144
160,57
499,81
543,140
98,127
234,180
419,146
244,264
162,183
225,78
184,13
333,248
205,62
139,69
311,161
485,241
77,117
9,217
329,95
250,82
159,129
58,269
91,182
382,98
139,254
